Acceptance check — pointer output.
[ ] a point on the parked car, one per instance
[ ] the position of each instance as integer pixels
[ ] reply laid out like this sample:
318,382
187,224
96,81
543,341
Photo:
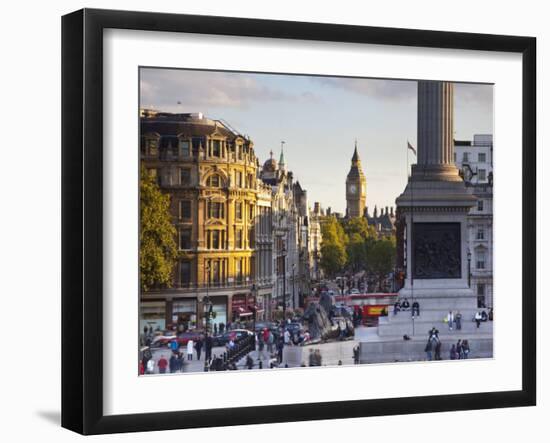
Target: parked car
235,334
182,338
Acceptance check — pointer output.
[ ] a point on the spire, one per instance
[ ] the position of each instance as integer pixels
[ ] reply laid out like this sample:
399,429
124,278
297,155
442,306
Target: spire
282,157
355,157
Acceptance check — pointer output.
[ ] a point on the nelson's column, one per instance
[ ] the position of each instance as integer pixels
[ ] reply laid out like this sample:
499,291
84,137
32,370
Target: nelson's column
432,212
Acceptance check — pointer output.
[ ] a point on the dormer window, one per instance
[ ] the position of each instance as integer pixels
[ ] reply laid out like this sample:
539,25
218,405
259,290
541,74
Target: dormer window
216,148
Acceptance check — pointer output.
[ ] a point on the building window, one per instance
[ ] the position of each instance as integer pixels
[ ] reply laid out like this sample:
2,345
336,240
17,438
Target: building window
216,148
480,234
214,181
251,212
215,239
251,242
185,274
238,270
197,143
480,260
482,174
238,238
185,148
239,179
238,210
185,176
185,209
216,210
482,157
464,157
185,239
480,205
481,289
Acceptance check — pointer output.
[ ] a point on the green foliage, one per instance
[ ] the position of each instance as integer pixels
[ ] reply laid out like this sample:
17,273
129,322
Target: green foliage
381,257
157,237
333,246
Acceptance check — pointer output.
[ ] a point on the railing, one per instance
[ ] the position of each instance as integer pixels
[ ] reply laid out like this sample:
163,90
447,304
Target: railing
229,359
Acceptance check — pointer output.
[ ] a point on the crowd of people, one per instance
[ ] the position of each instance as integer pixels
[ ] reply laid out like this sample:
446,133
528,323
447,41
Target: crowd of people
458,351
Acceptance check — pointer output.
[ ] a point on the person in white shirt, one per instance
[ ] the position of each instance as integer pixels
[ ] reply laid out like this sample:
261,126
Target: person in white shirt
190,350
450,320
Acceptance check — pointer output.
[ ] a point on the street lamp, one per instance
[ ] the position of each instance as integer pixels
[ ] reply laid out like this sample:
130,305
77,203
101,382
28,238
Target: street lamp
293,287
469,255
206,300
283,250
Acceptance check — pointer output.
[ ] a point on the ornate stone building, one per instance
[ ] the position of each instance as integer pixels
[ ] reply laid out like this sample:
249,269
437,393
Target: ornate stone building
475,161
222,213
356,188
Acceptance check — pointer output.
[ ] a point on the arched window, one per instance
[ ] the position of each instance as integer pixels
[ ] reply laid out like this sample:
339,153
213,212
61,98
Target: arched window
214,181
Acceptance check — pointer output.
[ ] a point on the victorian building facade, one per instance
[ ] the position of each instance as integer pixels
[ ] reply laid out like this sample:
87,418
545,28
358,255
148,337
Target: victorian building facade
222,213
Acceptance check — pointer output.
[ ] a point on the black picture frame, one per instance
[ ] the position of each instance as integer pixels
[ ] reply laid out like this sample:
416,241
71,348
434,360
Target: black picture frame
82,218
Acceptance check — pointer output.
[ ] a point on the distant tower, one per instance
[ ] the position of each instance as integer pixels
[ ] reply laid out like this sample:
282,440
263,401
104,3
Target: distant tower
356,187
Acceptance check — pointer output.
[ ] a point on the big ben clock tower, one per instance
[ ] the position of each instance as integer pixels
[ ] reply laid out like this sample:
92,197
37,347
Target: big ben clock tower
356,187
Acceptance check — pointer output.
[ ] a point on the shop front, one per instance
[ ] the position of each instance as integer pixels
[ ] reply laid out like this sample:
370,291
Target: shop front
219,312
184,314
152,314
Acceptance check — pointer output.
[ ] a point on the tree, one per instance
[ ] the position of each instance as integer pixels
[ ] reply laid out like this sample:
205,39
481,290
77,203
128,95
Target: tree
157,244
333,247
359,235
381,258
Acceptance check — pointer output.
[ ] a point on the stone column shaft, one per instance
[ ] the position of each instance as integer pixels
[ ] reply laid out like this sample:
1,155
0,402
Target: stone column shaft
435,123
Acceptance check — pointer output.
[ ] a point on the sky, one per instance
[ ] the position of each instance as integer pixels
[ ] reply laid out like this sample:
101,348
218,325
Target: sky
319,118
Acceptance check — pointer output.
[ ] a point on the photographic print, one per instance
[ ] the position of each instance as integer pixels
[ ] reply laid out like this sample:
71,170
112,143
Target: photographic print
296,221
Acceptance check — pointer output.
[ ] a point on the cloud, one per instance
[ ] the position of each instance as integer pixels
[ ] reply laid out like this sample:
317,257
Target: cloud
375,88
468,94
174,90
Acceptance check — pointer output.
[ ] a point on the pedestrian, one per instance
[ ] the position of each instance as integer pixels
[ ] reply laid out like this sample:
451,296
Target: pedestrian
280,347
287,337
465,348
215,329
173,363
452,352
198,347
162,364
477,318
416,309
396,308
179,366
190,349
221,328
208,342
459,352
150,368
174,345
428,350
261,344
405,305
141,368
356,355
458,320
438,350
450,320
270,341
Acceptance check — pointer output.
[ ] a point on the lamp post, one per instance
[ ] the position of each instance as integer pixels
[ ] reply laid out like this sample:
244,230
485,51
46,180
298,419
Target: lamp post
469,268
206,300
283,250
254,292
293,287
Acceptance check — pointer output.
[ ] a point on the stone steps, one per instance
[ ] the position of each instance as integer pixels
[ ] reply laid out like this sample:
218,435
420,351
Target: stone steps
413,350
422,327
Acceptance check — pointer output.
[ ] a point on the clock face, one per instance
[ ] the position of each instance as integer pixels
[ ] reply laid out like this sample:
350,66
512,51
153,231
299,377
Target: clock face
352,189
